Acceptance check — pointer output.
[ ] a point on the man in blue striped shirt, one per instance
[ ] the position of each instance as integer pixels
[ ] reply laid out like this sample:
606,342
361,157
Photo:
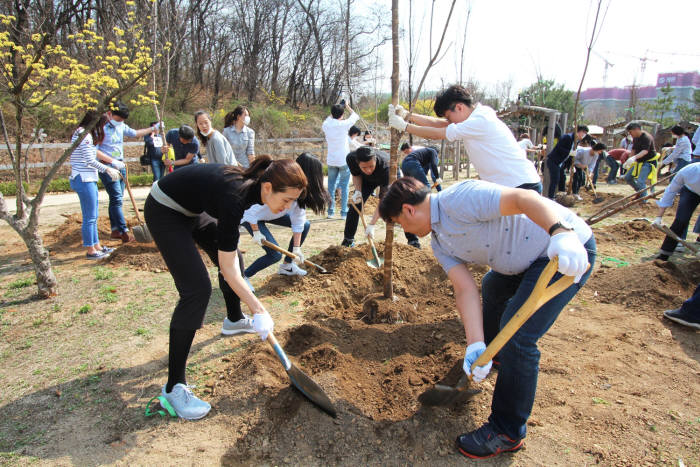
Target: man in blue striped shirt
111,152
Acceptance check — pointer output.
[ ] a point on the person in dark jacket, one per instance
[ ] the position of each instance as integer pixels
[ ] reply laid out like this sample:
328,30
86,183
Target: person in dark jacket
559,155
418,162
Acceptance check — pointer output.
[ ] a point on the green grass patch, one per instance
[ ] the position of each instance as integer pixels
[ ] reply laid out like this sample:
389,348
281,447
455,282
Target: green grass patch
21,283
600,400
84,309
108,294
142,332
102,273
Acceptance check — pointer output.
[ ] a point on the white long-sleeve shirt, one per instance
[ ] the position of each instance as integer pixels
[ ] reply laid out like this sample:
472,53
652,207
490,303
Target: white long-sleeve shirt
688,176
696,142
83,160
260,212
586,156
681,151
337,140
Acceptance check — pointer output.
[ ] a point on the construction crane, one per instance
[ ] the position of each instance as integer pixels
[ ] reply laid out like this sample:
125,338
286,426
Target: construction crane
642,61
607,65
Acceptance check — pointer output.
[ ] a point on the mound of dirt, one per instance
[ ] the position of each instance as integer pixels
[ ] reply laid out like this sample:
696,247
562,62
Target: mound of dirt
142,256
631,230
67,235
418,280
374,370
652,286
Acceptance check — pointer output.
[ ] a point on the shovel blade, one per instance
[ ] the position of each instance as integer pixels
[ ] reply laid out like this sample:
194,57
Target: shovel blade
142,234
598,200
311,390
373,263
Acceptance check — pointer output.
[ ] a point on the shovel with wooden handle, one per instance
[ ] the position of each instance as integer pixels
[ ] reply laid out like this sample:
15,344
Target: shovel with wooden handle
444,395
667,231
141,232
377,261
301,380
321,269
596,199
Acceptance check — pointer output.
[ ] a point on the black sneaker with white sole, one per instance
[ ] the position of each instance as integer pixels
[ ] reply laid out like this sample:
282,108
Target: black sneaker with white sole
684,318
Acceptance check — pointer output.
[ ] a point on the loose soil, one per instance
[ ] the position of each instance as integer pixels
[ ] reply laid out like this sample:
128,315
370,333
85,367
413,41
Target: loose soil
618,383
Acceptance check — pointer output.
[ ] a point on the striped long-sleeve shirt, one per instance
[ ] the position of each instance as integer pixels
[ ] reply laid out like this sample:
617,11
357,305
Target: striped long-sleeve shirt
83,161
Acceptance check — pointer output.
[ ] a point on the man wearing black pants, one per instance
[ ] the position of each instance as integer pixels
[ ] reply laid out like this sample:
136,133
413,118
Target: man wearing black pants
558,157
370,169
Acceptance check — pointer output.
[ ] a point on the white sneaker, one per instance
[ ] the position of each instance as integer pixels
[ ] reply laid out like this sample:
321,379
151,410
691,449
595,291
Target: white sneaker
578,198
291,269
186,404
231,328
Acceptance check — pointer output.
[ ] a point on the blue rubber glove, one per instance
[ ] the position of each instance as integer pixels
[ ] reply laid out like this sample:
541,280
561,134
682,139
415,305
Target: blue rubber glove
473,352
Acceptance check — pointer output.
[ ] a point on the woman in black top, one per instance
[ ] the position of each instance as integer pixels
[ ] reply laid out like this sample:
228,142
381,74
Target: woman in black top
202,205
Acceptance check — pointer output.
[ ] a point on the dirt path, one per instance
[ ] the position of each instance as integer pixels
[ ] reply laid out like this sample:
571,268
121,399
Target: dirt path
618,385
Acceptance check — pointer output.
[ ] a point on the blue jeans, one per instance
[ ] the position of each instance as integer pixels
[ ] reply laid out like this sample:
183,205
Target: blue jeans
516,384
641,181
115,190
87,193
680,163
338,176
614,167
158,169
412,168
687,202
271,256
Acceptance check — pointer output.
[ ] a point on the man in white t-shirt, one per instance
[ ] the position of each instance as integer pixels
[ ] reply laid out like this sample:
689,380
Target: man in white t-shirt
335,127
490,144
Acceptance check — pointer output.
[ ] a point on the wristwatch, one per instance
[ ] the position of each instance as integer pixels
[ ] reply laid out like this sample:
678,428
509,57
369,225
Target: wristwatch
560,225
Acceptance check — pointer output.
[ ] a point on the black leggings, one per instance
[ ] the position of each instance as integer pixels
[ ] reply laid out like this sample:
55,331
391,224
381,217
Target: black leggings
177,237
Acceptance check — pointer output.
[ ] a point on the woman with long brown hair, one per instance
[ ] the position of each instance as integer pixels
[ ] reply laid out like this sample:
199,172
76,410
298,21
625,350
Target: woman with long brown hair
202,205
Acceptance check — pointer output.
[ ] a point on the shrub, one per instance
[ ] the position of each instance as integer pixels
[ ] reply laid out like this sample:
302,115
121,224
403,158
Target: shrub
59,185
10,188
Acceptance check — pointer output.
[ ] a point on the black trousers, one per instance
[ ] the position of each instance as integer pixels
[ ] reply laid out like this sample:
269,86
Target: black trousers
687,202
177,237
352,219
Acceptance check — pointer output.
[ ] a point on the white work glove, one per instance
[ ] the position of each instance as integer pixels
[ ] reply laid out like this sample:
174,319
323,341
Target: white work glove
400,111
262,323
471,355
356,197
117,164
369,231
258,237
657,221
573,259
113,174
628,163
397,122
438,181
299,260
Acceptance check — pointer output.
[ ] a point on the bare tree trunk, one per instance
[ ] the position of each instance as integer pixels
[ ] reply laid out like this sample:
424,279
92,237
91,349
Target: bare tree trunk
569,188
395,137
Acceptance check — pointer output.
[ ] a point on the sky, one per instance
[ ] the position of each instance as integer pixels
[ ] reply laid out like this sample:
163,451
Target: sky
511,40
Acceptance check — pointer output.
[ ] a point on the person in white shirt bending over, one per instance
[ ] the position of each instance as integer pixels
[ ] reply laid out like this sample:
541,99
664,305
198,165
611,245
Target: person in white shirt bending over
490,144
335,127
257,216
